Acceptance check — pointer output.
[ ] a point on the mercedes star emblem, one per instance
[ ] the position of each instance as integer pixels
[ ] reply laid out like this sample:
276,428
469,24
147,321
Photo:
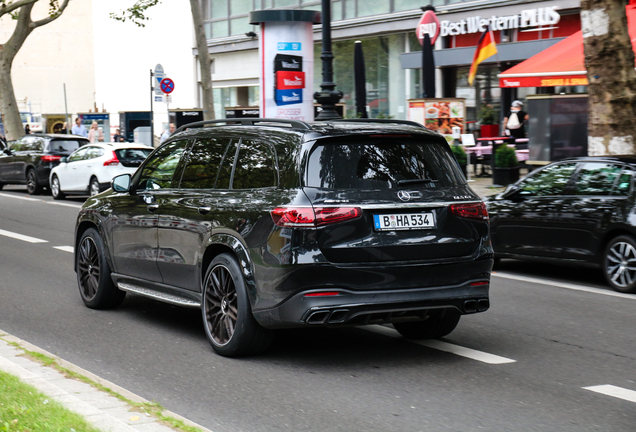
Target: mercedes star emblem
404,195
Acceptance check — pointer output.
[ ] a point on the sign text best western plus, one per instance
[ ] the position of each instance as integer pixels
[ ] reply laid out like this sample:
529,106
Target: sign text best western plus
527,18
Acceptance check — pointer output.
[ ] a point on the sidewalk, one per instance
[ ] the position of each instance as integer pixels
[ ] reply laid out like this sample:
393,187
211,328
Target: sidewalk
104,411
483,186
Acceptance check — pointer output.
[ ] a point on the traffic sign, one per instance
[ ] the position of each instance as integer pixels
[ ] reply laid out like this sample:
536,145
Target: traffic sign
167,85
159,75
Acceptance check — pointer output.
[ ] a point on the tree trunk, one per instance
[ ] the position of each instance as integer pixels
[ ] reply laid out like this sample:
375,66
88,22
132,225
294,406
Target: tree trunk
204,61
609,60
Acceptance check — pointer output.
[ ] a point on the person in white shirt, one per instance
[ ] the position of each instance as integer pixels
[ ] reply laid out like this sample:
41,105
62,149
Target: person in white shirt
166,134
79,129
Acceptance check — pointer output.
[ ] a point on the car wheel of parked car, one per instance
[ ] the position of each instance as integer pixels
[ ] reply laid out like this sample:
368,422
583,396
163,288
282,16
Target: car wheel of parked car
439,323
93,188
93,273
33,187
227,316
619,263
1,186
56,190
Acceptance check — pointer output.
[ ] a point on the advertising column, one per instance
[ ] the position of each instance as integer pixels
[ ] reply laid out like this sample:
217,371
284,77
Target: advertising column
286,49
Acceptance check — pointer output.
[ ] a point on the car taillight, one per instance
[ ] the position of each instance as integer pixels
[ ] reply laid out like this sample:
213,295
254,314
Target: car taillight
472,210
112,161
310,217
50,158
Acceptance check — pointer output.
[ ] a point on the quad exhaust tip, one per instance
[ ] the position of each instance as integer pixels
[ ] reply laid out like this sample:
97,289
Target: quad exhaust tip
337,316
472,306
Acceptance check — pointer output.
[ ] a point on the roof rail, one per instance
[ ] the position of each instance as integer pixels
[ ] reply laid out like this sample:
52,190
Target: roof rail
369,120
296,124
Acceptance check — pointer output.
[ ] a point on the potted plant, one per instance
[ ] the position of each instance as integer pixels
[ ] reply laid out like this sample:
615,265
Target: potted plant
460,155
489,121
506,170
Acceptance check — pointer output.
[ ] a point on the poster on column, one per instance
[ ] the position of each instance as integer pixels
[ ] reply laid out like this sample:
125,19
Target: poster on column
439,115
287,59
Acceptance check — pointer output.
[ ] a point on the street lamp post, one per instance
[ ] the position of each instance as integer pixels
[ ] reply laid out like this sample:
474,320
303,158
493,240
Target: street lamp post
328,97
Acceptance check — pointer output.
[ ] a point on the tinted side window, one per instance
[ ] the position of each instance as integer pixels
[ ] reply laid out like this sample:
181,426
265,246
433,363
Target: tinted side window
551,180
159,170
596,178
209,164
255,166
624,184
36,145
78,155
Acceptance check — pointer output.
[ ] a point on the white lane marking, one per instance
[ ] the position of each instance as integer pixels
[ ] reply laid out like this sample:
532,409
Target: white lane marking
65,248
19,197
22,237
617,392
443,346
40,200
564,285
63,204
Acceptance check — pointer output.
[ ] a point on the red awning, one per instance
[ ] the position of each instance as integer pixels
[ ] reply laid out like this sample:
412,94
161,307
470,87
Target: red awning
563,64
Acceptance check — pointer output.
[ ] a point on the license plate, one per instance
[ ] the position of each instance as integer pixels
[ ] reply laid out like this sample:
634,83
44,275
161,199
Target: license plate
410,221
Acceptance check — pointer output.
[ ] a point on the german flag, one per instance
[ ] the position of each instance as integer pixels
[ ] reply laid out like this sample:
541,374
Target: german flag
485,48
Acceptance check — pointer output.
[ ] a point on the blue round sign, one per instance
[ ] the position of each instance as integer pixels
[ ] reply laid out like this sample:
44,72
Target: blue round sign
167,85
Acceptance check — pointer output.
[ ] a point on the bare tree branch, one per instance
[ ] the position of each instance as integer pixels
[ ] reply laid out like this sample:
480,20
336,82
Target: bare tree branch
54,14
8,8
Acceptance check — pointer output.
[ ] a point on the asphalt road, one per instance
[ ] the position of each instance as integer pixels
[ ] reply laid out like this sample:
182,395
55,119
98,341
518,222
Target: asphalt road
555,352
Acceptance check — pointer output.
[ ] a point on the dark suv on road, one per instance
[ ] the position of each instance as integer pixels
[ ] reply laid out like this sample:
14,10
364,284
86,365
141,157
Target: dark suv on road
29,160
270,224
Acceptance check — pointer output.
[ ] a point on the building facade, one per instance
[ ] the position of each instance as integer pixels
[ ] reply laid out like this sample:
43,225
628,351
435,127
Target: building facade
392,51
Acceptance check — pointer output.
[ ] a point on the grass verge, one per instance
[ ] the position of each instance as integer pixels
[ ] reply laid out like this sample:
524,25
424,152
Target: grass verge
24,408
153,409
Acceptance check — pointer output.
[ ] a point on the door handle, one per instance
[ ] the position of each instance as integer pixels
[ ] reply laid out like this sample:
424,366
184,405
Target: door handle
153,207
204,210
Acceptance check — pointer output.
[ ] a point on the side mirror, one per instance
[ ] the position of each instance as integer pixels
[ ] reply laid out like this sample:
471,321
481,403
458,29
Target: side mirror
121,183
64,159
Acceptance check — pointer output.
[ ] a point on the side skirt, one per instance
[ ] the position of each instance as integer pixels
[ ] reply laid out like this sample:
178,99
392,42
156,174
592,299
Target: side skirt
165,293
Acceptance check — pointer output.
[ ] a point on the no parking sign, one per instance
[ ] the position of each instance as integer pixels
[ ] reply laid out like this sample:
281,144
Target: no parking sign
167,85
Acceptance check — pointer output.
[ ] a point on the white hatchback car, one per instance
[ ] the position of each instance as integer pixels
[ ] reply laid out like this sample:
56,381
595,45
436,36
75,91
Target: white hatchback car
89,169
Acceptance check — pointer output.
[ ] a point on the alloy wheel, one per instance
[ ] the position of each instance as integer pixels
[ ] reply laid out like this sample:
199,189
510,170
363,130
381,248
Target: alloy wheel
94,188
88,268
221,305
55,187
621,264
32,183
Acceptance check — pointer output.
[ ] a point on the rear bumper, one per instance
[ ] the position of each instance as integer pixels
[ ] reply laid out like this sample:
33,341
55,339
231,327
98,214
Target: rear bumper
364,307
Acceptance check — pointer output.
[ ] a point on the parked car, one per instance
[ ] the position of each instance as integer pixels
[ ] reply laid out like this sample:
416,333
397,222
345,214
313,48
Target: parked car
29,160
273,224
575,211
90,169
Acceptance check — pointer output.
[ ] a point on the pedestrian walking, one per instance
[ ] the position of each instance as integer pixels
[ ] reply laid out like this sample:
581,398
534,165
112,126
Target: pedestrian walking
118,137
79,129
95,134
514,122
166,134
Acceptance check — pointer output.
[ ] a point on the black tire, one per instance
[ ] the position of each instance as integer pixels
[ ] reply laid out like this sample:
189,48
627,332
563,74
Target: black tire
496,262
93,273
33,187
1,186
227,316
93,187
56,189
619,264
439,323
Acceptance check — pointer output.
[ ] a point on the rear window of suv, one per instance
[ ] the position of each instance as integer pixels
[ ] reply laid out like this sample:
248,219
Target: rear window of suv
132,157
383,163
65,146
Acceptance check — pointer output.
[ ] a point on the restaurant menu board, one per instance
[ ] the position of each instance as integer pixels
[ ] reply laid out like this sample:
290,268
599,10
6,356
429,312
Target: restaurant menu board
439,115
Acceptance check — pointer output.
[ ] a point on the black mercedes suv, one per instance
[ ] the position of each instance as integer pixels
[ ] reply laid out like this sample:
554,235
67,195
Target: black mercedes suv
267,224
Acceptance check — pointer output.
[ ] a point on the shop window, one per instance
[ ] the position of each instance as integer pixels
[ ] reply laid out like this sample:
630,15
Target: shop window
220,29
240,26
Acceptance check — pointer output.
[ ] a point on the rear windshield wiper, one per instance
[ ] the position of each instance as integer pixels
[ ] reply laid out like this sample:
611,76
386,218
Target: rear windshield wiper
415,181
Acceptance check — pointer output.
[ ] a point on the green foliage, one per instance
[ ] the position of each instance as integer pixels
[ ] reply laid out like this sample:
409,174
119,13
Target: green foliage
136,13
505,157
460,154
488,115
384,115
